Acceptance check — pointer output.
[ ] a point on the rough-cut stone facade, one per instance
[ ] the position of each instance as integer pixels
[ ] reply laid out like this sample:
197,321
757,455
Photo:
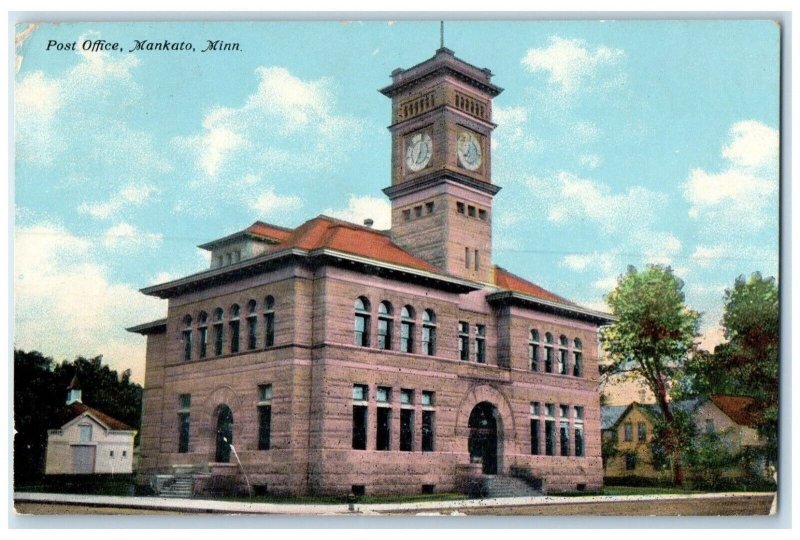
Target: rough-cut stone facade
314,360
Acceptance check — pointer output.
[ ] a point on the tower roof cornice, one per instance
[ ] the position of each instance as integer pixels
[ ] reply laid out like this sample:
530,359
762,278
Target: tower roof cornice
443,63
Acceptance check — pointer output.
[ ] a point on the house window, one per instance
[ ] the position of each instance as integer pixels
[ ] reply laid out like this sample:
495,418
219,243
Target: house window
269,321
535,426
480,343
641,429
124,453
562,355
218,331
203,331
460,207
86,433
252,324
187,337
709,426
463,340
428,421
548,352
406,420
630,462
628,431
385,324
184,406
429,207
234,325
429,332
564,430
550,429
578,419
383,435
264,416
360,397
577,352
362,322
533,350
407,329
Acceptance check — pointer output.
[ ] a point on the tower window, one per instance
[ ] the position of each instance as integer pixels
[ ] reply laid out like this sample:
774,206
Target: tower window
429,207
471,211
460,207
477,259
467,258
482,214
406,215
418,211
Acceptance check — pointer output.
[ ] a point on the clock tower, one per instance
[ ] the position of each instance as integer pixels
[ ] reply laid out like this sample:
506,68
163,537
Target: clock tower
442,187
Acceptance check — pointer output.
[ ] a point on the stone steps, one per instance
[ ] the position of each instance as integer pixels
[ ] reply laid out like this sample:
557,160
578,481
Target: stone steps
508,486
179,488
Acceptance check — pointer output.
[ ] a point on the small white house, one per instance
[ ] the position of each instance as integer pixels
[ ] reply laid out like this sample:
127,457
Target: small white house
88,441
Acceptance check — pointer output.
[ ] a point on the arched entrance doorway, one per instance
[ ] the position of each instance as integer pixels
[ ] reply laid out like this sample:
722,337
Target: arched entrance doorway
224,434
483,440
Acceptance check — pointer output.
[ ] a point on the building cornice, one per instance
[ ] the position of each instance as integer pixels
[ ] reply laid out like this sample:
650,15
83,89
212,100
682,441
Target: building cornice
557,308
436,178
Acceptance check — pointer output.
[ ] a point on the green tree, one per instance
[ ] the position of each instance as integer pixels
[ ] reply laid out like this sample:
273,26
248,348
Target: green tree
651,338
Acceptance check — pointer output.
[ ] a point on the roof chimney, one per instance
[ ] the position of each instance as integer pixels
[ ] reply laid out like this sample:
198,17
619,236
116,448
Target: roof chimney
368,222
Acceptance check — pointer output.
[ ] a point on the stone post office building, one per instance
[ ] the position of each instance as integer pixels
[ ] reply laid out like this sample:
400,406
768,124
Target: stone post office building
337,358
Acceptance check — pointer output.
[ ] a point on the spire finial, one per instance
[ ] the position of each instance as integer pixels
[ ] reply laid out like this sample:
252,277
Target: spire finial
441,34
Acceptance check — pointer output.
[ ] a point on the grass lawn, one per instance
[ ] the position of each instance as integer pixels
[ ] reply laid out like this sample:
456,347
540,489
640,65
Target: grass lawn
370,499
648,490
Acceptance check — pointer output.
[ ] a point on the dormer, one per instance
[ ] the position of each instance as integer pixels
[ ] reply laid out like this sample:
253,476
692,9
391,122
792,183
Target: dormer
255,240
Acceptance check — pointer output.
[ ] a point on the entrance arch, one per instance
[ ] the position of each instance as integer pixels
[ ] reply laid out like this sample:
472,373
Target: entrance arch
483,440
224,434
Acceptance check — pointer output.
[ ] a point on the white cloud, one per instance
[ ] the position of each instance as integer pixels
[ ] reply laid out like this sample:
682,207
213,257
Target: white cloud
129,195
606,284
511,129
705,256
67,306
570,62
268,202
743,195
605,261
360,208
126,236
590,161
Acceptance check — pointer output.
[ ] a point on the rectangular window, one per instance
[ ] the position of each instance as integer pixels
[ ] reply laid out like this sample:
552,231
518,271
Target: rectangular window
467,258
477,259
184,406
641,429
269,329
406,429
406,397
564,437
406,215
533,355
427,398
218,339
362,330
480,343
383,435
578,417
384,334
577,367
427,430
630,462
562,361
482,214
251,333
460,207
360,397
187,344
548,359
429,340
550,430
628,431
471,211
463,340
203,342
264,416
384,394
406,336
429,207
86,433
535,436
418,211
234,336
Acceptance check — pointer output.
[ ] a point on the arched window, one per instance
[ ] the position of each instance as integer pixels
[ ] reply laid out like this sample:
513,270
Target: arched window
362,322
202,321
407,329
385,323
533,350
234,325
187,337
252,325
269,321
429,332
548,352
219,330
562,355
577,351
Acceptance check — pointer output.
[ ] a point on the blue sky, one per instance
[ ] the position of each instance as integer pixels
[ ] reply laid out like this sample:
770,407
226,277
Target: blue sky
618,143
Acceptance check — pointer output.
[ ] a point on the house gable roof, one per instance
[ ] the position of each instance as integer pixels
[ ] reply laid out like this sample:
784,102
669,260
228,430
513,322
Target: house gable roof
741,409
73,411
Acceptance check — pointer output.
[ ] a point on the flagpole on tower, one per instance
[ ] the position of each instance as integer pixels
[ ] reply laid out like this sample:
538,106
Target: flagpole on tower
441,34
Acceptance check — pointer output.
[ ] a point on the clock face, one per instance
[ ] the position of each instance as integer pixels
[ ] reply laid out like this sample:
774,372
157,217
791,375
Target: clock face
469,151
419,149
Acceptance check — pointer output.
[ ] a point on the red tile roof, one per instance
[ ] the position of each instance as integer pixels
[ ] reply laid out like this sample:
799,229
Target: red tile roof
506,280
76,409
741,409
273,232
325,232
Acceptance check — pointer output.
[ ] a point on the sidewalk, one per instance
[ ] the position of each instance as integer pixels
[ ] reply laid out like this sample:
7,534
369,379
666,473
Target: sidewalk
421,508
